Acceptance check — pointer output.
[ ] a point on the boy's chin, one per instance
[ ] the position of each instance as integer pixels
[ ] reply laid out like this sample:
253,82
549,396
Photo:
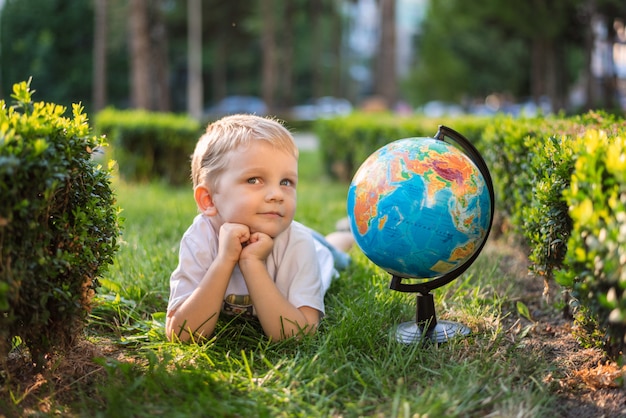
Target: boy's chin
272,232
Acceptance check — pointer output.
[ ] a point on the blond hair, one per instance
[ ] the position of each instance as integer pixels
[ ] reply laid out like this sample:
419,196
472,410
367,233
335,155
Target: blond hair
208,161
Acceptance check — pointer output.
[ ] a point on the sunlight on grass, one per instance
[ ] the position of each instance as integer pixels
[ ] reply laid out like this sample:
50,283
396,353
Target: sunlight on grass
352,367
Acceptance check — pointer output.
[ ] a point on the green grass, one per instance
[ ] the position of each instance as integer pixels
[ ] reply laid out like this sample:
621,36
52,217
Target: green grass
352,367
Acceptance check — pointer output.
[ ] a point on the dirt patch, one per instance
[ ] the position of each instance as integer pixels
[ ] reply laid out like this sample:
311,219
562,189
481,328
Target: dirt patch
587,383
41,389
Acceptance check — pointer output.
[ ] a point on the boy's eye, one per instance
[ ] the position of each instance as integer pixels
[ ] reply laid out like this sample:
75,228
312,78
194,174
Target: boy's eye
286,182
253,180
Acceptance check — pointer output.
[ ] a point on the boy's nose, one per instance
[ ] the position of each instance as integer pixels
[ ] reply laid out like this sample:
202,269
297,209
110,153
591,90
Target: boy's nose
274,193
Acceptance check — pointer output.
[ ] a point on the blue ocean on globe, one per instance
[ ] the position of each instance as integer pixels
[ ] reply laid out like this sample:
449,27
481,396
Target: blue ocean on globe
419,208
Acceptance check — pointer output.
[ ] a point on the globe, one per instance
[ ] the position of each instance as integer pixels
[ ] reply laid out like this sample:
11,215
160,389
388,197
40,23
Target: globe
419,208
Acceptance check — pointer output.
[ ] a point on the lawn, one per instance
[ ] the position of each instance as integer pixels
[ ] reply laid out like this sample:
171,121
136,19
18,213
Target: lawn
352,367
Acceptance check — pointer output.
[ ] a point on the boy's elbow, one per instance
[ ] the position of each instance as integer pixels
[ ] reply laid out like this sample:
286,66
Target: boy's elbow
174,331
169,331
297,332
177,330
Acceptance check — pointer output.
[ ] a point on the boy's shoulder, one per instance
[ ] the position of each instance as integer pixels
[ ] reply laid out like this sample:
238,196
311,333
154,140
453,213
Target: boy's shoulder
200,221
295,234
296,229
200,227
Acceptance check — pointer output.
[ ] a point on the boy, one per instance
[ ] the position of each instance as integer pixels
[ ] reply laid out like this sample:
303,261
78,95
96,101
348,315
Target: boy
244,253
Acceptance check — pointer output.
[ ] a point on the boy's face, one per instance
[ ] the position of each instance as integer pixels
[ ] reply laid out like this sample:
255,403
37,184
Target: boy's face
258,189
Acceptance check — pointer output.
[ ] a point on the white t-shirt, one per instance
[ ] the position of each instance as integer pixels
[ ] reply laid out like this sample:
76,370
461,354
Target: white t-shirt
301,267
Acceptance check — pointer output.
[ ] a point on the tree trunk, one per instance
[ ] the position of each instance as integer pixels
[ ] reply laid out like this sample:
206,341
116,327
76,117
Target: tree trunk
100,55
287,56
139,55
337,35
268,46
160,63
317,41
386,77
194,59
609,81
590,93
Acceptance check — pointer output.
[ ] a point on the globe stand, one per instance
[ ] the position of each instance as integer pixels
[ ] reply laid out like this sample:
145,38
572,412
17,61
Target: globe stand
426,326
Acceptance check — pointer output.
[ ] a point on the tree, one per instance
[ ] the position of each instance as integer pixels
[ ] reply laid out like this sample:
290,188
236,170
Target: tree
135,45
535,49
150,88
52,41
599,16
386,74
194,60
317,41
323,42
474,49
139,54
100,55
269,48
546,27
337,88
160,63
287,56
450,43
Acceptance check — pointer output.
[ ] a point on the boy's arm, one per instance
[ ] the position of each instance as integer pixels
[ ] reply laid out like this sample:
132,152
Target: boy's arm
199,313
279,318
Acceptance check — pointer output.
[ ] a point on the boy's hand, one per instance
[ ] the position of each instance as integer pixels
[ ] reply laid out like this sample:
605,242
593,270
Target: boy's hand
258,248
233,238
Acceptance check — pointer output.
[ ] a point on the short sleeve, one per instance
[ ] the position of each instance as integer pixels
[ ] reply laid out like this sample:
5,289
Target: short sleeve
198,249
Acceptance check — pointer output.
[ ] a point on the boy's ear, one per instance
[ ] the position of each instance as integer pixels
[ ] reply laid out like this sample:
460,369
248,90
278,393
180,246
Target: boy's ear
204,200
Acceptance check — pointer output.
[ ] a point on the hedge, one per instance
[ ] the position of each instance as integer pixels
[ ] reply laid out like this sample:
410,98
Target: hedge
596,257
150,146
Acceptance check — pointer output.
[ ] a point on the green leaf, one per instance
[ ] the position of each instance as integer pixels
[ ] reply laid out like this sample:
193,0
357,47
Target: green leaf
522,309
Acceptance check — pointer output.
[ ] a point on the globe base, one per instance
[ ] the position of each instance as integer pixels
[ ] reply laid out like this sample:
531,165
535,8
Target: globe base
443,331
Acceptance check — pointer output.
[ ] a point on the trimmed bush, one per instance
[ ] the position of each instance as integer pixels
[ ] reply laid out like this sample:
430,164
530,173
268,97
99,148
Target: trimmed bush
565,187
596,257
58,223
532,161
150,146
